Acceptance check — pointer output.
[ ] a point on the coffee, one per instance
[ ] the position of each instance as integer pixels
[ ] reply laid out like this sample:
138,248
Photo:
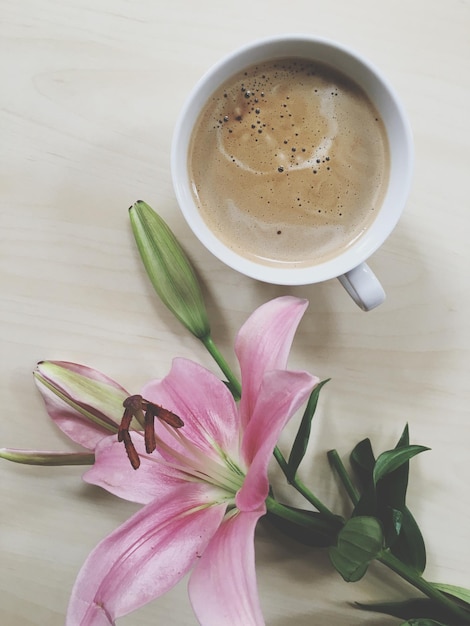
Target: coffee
289,162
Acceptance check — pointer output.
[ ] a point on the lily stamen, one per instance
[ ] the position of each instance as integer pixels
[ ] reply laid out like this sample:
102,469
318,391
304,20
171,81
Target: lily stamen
149,431
123,432
134,406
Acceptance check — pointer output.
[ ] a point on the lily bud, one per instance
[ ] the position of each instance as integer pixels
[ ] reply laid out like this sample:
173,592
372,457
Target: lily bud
84,403
169,269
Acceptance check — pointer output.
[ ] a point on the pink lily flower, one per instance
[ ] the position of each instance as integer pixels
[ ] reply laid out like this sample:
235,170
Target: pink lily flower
204,487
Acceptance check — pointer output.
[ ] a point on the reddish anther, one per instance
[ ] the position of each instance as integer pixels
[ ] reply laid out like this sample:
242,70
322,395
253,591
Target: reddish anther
149,431
166,416
130,449
133,405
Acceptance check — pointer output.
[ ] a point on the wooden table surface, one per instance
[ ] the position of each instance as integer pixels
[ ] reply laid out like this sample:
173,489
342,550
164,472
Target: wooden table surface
90,91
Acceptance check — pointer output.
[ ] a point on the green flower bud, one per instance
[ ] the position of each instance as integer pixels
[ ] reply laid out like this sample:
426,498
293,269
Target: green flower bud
169,269
77,394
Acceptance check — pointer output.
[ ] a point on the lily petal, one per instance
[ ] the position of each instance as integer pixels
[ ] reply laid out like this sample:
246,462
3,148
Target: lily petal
203,402
84,403
112,471
222,587
263,343
144,557
281,394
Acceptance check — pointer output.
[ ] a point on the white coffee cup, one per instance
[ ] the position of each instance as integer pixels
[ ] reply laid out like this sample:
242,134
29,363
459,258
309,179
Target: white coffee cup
349,265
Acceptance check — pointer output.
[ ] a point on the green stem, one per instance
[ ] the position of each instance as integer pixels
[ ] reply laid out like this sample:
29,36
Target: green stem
293,515
393,563
300,487
338,464
28,457
222,363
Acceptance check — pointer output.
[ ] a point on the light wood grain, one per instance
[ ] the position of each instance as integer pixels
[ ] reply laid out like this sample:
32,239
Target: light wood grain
89,95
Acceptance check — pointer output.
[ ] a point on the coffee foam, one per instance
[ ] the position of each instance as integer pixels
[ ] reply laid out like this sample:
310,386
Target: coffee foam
289,162
269,142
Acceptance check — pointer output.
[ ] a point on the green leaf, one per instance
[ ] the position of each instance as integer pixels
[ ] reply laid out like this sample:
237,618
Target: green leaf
394,484
391,460
460,593
169,269
404,438
409,546
303,434
422,621
367,504
396,518
359,542
415,608
391,495
363,460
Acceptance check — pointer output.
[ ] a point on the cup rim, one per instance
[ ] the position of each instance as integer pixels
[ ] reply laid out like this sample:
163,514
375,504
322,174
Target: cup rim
367,243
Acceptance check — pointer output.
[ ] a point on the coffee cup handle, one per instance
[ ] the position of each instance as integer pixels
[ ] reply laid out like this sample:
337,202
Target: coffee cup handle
363,286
